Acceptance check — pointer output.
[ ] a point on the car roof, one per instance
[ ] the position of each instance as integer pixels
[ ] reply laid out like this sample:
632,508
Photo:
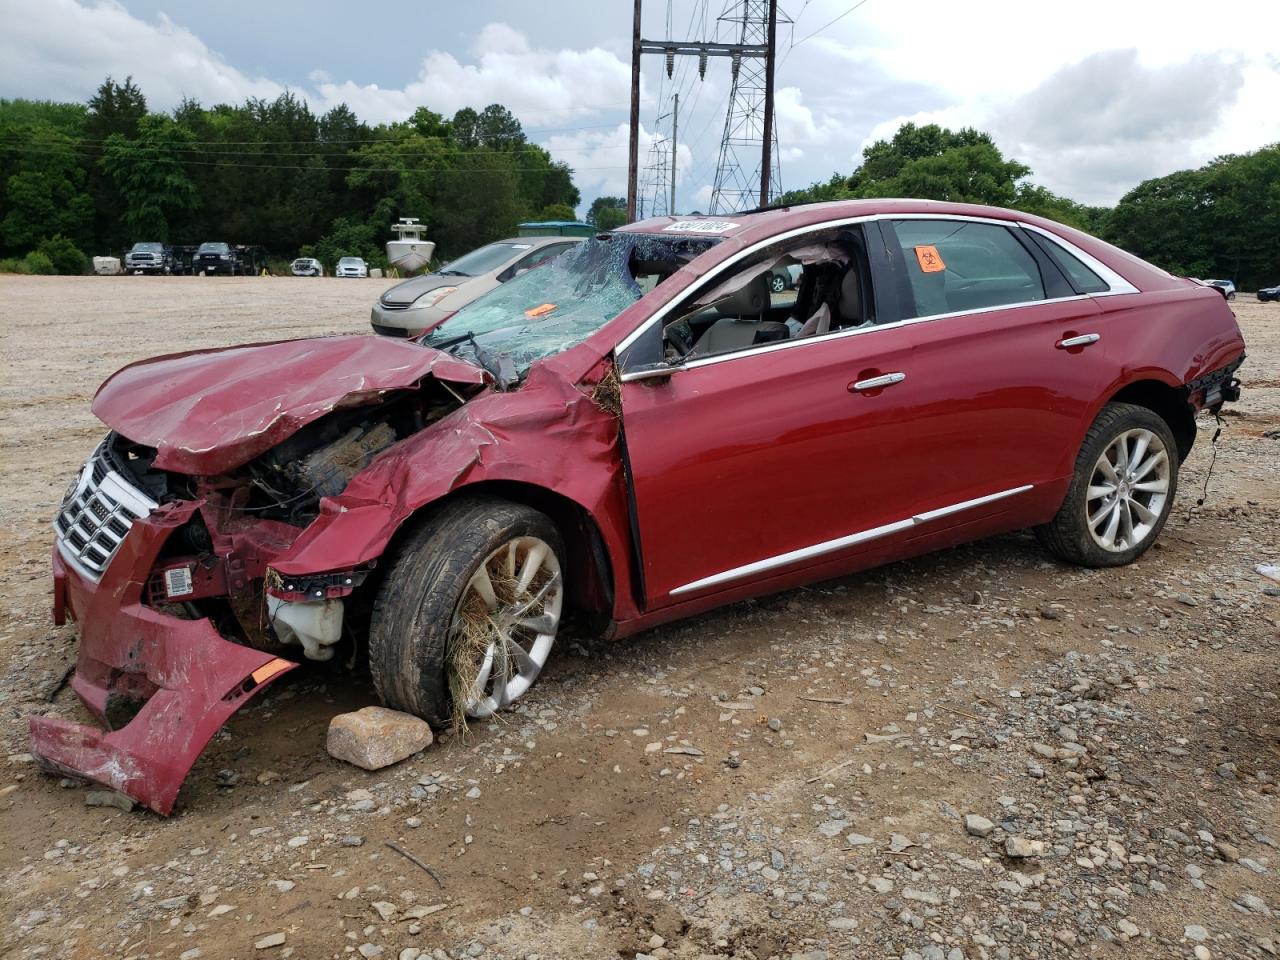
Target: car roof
754,226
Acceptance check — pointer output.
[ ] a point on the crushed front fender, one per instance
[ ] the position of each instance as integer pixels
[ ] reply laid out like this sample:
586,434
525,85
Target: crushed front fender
182,677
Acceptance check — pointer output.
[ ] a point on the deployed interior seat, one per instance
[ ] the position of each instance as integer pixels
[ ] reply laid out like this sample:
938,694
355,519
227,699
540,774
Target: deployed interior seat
741,322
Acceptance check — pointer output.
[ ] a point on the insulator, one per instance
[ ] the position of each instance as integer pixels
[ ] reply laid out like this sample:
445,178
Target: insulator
737,62
671,61
702,65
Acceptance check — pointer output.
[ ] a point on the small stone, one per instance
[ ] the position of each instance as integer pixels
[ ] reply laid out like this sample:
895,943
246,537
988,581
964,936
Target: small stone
775,724
192,954
283,886
473,793
857,839
1202,952
831,828
375,737
368,950
1128,928
384,909
1022,847
1195,932
108,798
881,884
270,940
353,840
977,825
409,953
1226,851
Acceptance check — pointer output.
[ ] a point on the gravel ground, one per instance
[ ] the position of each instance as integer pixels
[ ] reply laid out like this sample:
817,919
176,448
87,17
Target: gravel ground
975,754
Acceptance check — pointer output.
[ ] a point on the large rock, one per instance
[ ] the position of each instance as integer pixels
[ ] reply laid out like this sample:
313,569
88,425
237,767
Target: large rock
375,737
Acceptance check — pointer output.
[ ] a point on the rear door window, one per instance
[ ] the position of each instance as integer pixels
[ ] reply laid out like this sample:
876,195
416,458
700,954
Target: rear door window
959,265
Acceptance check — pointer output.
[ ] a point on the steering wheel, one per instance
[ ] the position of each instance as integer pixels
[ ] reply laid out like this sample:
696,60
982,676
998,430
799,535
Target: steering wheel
679,336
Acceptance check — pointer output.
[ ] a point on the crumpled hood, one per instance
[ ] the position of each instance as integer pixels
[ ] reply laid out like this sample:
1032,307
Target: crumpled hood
407,291
211,411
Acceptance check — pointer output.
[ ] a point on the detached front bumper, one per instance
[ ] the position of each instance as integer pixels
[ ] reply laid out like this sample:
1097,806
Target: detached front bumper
186,678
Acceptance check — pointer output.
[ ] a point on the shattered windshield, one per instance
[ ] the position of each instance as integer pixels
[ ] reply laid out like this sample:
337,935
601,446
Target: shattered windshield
562,302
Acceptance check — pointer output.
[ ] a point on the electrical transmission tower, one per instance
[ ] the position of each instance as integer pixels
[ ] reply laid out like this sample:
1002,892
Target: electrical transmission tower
654,193
747,170
752,50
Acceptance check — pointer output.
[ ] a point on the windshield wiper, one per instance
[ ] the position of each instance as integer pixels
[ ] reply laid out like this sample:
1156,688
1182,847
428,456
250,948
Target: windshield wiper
499,365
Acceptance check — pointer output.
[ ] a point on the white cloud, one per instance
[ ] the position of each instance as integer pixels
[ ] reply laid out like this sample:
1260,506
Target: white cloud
61,50
541,87
599,159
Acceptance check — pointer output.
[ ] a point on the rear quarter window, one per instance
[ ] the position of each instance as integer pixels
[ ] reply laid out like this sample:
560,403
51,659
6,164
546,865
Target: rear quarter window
1081,277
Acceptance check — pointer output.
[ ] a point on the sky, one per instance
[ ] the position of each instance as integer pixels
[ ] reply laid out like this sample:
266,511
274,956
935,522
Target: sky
1094,96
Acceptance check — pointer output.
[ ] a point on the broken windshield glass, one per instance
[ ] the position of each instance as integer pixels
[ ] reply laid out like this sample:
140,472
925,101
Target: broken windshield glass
562,302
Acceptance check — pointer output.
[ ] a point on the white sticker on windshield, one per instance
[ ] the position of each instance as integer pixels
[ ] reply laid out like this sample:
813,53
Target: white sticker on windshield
699,226
521,246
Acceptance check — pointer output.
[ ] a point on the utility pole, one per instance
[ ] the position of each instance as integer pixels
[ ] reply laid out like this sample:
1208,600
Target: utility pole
633,157
675,128
766,142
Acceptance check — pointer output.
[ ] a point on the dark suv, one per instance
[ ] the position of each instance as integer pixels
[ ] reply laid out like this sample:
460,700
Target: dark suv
149,257
216,257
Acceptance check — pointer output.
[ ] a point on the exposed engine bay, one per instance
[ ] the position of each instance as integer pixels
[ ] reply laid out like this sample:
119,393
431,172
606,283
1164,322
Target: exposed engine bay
217,564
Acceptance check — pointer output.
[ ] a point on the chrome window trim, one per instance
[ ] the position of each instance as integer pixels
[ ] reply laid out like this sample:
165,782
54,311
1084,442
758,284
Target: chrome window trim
831,546
1116,282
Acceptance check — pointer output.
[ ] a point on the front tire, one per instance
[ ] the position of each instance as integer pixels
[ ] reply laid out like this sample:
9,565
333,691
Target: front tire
467,614
1125,480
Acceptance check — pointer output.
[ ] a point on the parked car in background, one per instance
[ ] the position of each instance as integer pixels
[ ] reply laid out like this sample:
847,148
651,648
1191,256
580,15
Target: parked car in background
785,277
216,257
351,267
149,257
946,372
307,267
1226,286
416,305
1269,293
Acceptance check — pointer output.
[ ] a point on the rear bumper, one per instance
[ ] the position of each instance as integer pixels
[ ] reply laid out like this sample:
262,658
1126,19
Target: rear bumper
187,678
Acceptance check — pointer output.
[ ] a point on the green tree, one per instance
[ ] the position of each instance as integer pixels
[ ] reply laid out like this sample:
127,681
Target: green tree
45,193
557,211
66,258
607,213
148,171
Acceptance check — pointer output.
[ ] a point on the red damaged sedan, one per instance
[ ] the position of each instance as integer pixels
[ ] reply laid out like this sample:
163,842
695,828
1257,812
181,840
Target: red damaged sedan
639,430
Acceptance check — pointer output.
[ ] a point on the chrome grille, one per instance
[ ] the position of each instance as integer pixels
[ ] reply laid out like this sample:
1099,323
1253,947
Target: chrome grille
96,514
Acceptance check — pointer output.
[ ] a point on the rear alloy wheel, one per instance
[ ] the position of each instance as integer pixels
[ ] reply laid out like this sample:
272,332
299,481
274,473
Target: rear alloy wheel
466,616
777,284
1124,484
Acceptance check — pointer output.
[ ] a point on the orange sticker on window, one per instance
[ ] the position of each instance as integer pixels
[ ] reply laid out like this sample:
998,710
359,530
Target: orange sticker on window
930,259
540,310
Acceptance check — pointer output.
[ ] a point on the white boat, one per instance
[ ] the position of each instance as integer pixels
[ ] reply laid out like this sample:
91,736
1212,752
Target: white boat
409,252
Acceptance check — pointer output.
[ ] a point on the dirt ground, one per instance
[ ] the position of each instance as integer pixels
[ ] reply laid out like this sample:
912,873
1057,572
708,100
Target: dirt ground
785,778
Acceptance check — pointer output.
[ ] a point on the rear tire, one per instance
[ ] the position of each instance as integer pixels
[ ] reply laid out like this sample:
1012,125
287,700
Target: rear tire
1125,480
416,614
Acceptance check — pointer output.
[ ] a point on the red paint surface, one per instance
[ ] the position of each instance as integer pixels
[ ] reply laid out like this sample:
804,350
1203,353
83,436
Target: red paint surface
191,678
211,411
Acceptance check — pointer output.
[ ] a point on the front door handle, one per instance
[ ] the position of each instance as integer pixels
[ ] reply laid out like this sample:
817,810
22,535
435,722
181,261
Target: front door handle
1081,341
876,383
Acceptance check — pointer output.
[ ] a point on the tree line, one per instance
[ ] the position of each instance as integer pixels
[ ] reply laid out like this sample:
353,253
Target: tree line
1219,221
95,178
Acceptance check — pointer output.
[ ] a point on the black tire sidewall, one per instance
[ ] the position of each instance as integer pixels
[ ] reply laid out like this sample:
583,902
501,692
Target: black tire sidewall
416,601
1067,535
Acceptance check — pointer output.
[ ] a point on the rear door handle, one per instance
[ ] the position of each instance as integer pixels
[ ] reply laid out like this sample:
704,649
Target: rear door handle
1081,341
876,383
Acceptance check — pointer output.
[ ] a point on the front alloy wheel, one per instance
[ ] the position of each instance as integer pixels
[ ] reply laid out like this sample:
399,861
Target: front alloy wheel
777,284
505,625
468,611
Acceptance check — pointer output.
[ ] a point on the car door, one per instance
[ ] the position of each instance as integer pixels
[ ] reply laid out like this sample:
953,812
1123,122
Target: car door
1007,360
767,461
